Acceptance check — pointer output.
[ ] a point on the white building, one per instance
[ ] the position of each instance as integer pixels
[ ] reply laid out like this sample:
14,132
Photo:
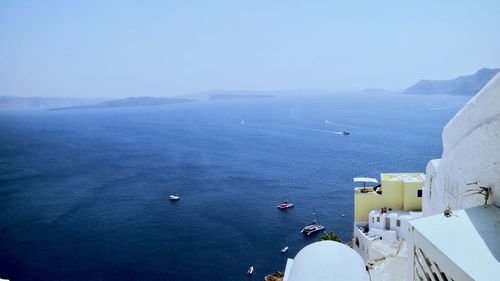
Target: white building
391,226
457,236
471,153
382,213
463,244
386,228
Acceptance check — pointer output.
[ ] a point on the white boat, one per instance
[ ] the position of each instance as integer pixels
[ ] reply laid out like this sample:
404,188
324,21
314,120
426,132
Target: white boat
250,270
284,249
313,227
173,197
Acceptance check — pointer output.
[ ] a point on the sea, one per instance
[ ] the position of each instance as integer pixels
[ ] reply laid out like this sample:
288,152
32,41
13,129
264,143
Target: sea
84,193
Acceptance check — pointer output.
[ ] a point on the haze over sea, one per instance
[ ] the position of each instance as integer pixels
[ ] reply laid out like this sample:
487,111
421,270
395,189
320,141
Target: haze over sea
84,193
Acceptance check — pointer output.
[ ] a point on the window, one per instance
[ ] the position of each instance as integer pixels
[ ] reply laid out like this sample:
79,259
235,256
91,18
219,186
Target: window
373,219
398,223
378,219
419,193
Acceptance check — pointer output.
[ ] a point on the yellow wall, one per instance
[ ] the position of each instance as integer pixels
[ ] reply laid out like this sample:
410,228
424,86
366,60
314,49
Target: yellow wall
411,201
393,193
362,206
396,194
365,202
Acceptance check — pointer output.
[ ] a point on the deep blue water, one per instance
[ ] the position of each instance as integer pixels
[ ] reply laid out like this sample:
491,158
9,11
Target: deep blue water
83,194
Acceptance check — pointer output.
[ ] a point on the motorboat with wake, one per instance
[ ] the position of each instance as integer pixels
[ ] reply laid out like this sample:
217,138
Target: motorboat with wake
284,250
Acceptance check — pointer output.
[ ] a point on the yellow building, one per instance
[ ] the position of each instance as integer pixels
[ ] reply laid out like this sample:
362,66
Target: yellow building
399,191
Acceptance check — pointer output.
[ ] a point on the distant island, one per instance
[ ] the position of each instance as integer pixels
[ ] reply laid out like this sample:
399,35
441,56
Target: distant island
60,103
467,85
11,102
238,96
56,103
252,94
229,94
128,102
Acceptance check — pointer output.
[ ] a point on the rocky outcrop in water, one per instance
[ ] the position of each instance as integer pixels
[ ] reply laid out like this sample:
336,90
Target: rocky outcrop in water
277,276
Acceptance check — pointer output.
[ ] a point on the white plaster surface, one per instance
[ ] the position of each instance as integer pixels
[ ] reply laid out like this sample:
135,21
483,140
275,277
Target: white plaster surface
364,243
393,265
327,260
394,215
471,142
289,265
467,241
386,235
381,248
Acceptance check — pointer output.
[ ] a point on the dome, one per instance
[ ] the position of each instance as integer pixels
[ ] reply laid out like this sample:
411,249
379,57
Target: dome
327,260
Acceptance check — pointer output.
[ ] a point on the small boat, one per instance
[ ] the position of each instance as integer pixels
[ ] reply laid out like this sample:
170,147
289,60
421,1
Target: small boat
345,133
250,270
174,197
285,205
313,227
284,249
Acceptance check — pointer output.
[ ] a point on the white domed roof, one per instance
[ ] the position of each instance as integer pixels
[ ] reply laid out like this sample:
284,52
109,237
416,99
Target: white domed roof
327,260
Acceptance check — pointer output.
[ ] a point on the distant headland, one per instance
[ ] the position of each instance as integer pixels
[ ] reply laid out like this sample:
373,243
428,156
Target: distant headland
128,102
12,102
466,85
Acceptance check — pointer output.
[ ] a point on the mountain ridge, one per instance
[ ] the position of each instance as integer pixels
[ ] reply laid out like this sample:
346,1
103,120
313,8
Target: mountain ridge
465,85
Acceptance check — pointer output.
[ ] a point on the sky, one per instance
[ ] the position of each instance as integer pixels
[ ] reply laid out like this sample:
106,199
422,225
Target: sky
167,48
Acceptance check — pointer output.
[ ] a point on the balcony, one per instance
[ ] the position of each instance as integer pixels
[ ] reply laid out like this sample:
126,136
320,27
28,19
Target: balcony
368,190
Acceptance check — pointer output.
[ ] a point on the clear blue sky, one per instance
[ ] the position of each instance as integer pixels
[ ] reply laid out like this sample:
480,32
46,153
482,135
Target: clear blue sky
163,48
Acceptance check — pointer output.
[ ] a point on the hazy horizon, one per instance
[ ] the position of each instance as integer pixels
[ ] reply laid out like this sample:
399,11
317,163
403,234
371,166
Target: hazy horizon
124,48
206,93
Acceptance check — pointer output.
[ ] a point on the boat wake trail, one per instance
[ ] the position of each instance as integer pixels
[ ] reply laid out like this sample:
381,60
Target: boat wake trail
327,131
441,108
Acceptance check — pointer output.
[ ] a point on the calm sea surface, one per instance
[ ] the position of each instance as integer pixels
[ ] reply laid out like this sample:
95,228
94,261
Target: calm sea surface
84,194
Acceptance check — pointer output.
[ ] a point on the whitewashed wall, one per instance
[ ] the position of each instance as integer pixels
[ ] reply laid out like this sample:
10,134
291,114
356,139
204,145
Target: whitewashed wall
471,152
386,235
401,231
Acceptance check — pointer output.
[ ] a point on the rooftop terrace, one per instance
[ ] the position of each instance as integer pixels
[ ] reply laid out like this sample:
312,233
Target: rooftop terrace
405,177
475,231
